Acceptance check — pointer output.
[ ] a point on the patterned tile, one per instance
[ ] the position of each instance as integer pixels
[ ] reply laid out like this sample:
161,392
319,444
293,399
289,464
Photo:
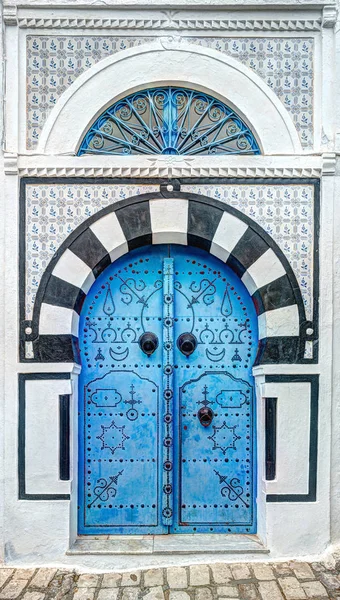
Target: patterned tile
285,64
54,62
286,213
53,212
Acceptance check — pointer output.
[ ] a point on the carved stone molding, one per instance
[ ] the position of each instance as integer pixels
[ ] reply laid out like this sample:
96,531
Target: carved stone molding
169,171
10,164
329,15
173,23
328,163
10,15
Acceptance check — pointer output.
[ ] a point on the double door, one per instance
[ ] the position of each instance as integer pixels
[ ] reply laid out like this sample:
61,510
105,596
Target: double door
168,337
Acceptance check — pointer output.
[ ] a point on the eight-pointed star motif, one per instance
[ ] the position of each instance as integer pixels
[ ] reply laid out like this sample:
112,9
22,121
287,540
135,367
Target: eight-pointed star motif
224,437
113,437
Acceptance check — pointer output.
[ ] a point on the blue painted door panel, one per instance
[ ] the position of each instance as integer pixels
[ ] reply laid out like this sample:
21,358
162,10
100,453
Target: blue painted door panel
146,463
214,465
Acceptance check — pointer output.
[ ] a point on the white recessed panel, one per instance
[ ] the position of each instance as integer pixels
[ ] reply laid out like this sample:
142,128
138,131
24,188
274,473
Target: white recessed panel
169,221
293,434
42,436
229,231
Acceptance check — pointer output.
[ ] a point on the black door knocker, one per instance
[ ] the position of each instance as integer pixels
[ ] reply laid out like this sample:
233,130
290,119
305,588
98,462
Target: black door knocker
187,343
205,415
148,342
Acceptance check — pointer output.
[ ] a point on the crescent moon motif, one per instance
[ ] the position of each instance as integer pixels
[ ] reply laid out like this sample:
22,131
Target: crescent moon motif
215,357
119,355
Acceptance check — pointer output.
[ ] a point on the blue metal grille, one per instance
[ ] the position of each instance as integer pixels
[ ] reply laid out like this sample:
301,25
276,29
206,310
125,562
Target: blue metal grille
169,121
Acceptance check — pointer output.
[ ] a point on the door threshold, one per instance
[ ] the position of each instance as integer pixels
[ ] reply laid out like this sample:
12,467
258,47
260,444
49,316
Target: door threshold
169,544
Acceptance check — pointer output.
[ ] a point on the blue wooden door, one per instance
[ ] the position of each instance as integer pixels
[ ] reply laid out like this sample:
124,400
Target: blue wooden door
168,337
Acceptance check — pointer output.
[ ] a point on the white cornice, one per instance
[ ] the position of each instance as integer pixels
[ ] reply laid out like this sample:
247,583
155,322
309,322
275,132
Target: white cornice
169,171
172,23
169,166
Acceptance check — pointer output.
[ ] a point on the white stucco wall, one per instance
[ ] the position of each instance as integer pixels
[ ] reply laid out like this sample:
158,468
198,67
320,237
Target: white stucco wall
41,531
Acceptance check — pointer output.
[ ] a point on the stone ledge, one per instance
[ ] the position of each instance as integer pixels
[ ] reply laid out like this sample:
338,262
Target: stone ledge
169,544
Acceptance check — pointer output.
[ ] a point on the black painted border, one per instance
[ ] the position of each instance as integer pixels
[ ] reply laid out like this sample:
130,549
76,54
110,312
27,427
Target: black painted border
311,496
64,437
22,378
270,438
176,183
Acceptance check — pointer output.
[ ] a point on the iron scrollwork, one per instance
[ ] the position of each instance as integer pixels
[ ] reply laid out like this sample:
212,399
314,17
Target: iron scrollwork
169,121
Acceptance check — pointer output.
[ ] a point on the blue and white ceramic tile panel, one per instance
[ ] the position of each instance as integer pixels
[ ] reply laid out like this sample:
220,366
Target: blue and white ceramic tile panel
54,62
53,212
286,213
285,64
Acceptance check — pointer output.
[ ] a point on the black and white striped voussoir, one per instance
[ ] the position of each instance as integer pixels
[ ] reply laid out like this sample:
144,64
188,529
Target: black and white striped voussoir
198,221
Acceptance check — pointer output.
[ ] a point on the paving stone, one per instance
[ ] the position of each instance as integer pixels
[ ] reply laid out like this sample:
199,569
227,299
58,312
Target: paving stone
23,574
314,589
178,596
203,594
240,572
227,591
108,594
153,577
13,589
43,578
61,586
221,573
88,580
155,594
111,580
247,591
199,575
34,596
5,575
302,571
84,594
269,590
131,593
292,588
331,581
177,577
129,579
318,567
283,569
263,572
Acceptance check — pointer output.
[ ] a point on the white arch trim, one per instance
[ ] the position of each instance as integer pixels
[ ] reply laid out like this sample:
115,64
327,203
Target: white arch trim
169,224
169,62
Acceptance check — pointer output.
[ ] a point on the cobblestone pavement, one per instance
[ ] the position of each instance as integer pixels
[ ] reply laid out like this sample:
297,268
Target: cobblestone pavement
258,581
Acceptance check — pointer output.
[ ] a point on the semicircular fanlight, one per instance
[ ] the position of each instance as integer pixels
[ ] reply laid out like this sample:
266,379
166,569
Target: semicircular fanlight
169,121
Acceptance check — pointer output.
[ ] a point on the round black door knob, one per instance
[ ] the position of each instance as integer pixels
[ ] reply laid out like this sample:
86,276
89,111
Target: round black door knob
187,343
205,415
148,342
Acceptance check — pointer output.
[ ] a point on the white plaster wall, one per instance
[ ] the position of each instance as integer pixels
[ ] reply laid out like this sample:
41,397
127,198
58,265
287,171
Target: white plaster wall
40,532
2,313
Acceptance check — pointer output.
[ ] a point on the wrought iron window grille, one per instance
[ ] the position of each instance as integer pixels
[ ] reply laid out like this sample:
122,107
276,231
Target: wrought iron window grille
169,120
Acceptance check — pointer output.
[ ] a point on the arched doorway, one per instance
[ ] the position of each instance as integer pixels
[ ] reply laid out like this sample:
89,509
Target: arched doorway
167,419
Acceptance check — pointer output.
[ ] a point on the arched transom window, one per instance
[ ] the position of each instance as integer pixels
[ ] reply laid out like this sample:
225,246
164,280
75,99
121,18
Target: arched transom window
169,120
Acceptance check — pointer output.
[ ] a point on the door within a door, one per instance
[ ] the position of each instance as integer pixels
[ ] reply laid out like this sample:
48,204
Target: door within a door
168,337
